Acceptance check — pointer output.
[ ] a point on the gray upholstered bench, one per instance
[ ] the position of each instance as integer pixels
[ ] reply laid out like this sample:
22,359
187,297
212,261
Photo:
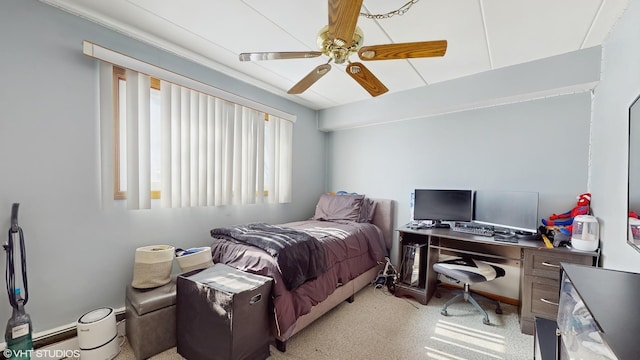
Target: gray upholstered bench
151,319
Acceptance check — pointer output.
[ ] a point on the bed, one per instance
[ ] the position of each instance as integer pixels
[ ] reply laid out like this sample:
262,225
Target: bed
355,237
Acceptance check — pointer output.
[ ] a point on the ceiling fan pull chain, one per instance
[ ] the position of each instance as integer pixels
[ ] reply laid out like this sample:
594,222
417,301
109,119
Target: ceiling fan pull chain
400,11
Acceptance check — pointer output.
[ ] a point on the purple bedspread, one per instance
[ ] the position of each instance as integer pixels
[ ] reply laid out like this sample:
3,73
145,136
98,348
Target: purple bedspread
350,249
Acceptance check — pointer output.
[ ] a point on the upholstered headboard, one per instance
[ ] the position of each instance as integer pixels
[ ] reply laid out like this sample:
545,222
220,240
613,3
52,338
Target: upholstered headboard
383,218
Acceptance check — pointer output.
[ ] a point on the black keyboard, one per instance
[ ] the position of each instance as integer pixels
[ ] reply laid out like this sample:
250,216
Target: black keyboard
473,229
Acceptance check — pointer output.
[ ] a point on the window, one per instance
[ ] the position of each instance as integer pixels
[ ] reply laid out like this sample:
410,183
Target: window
120,135
186,147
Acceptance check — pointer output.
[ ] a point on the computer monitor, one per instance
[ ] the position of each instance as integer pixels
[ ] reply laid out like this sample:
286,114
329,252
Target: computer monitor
516,210
443,205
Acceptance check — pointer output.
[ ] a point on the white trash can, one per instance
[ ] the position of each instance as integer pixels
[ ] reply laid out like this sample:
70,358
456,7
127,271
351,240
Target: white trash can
194,259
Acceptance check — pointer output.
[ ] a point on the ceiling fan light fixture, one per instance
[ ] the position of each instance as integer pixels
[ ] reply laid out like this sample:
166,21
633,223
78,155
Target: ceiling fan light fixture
339,55
339,42
368,54
338,49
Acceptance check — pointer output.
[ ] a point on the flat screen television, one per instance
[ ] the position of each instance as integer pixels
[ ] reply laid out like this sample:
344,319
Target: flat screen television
441,205
516,210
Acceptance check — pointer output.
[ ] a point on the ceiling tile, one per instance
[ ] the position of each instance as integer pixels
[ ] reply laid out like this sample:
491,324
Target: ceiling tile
606,19
521,31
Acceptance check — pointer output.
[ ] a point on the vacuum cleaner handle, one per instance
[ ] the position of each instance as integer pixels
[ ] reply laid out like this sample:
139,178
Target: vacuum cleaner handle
14,217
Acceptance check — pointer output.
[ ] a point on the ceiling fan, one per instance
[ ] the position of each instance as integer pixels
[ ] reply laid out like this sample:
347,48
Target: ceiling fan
340,39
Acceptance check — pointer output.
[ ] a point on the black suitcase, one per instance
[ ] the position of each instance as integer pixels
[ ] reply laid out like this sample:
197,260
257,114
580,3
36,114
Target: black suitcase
223,313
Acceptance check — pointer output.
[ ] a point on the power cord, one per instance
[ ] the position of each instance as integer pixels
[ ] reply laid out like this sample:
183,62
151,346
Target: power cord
122,337
386,277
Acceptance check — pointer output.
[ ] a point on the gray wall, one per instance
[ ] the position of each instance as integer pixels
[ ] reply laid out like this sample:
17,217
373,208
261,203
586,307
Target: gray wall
619,86
521,128
79,256
539,145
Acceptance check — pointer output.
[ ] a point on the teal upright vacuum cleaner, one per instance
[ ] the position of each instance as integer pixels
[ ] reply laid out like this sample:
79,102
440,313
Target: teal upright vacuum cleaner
19,329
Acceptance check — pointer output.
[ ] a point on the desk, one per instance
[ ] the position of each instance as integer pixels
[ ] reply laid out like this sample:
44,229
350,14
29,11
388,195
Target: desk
539,267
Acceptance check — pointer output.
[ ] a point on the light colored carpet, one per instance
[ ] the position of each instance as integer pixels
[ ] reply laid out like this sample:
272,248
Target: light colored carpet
378,325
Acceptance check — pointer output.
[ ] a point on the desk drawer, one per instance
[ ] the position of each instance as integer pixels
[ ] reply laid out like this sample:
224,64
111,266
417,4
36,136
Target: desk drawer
546,263
544,299
540,297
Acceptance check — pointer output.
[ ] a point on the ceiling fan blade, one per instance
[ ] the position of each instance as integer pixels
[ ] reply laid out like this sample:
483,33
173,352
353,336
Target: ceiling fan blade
366,79
310,79
343,17
403,50
254,56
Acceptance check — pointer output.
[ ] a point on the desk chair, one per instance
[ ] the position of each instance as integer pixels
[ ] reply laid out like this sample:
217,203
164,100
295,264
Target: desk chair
469,271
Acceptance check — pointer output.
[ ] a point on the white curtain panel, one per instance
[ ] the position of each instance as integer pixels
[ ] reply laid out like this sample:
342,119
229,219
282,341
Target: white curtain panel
107,151
138,141
281,132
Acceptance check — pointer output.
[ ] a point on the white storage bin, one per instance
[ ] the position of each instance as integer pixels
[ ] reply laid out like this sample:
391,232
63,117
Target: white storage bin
197,258
152,266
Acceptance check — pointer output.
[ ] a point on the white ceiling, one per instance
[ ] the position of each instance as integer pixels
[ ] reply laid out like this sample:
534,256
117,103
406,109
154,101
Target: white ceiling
482,35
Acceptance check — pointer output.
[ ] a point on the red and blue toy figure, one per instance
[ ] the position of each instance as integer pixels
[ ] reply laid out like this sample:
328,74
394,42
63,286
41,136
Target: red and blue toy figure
634,228
565,220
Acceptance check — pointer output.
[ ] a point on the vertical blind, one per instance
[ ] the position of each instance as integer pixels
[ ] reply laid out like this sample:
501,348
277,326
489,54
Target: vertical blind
212,151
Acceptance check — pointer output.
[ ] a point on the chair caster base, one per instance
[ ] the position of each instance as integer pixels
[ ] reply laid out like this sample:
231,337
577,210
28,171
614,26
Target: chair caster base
443,312
486,321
